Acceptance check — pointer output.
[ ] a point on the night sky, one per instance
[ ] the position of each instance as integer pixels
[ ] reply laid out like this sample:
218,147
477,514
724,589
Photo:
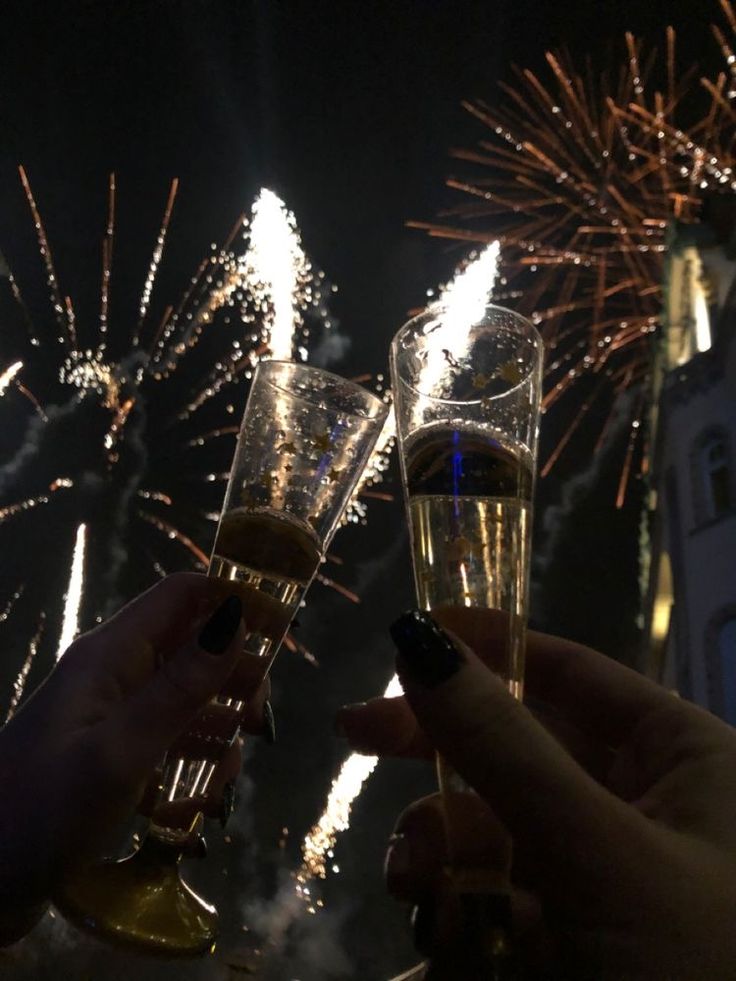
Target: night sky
348,111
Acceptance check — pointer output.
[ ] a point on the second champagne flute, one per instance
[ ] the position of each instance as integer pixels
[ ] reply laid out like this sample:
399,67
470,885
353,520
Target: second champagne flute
467,395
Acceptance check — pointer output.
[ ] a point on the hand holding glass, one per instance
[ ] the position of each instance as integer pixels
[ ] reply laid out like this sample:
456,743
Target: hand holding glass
305,440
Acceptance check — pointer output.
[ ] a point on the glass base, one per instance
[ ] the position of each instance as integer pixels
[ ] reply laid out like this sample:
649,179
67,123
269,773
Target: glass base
142,902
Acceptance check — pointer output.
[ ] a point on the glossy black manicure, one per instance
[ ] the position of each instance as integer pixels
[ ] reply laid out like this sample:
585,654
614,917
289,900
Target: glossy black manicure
227,804
427,653
218,632
269,723
423,924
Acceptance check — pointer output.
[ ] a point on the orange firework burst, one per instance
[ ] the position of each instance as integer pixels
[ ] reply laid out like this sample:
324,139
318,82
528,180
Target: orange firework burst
579,179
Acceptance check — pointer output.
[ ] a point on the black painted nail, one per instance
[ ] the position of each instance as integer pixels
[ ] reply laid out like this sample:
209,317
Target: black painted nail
427,652
269,723
218,632
227,804
422,925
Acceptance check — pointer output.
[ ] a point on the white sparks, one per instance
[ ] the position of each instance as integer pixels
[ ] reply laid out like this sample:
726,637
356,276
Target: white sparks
19,684
377,465
8,375
73,598
11,603
277,270
464,298
461,304
320,841
87,371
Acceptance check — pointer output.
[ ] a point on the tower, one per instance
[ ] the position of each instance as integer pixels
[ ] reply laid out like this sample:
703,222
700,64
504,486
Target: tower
689,533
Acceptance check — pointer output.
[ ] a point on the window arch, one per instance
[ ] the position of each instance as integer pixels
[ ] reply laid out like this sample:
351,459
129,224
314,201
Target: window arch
712,477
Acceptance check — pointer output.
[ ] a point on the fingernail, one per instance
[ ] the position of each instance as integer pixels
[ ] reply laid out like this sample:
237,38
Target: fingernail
422,925
227,803
398,860
218,632
269,723
427,652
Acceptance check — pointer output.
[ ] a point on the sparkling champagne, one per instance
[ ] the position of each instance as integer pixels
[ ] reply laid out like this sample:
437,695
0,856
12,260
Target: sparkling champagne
270,558
470,511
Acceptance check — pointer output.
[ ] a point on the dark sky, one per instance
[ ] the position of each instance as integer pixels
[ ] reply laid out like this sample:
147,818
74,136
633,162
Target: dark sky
347,110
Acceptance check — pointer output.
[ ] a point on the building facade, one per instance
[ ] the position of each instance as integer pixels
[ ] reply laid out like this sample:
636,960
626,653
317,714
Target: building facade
689,542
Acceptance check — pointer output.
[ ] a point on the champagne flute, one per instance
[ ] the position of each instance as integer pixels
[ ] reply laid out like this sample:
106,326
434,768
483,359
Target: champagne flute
304,442
467,386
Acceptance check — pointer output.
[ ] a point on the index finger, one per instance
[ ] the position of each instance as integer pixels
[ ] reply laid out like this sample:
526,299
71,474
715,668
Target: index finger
593,692
164,615
131,644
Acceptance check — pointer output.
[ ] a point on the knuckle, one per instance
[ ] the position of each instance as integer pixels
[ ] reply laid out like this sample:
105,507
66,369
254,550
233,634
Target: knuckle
188,684
105,768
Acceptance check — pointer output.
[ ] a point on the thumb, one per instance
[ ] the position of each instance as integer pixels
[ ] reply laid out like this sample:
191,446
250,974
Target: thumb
555,813
183,684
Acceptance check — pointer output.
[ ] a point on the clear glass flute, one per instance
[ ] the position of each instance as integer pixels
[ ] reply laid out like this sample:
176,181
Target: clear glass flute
304,442
467,387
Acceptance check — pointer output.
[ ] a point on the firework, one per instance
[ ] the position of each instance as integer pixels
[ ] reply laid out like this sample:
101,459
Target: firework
73,596
123,426
579,178
346,787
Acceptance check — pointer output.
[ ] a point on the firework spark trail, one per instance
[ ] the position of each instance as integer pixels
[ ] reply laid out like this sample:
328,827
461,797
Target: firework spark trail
19,684
107,246
73,599
275,262
172,532
45,249
320,841
10,510
8,608
158,252
8,375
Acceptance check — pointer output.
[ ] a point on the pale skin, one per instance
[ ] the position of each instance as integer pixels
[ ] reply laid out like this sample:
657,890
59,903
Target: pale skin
77,758
619,797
